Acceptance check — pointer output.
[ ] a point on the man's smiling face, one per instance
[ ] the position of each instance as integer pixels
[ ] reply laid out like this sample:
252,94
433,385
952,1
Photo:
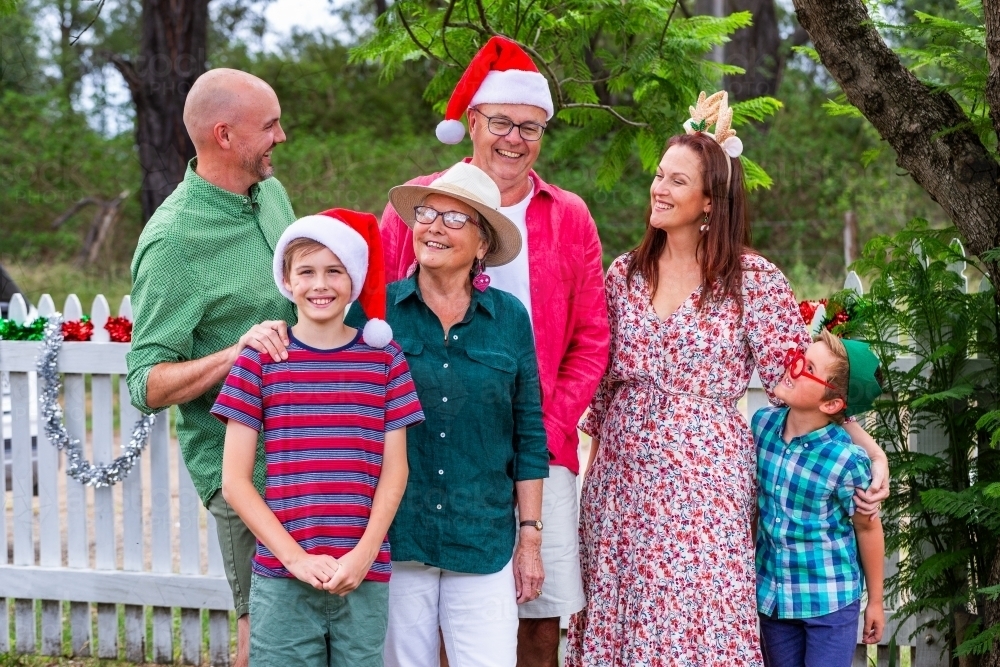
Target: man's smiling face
506,159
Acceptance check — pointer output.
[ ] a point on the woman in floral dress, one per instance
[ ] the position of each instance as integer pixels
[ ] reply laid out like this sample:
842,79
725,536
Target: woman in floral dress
666,550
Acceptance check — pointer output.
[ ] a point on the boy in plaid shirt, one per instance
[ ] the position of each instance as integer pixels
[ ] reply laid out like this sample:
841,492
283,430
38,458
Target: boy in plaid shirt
809,539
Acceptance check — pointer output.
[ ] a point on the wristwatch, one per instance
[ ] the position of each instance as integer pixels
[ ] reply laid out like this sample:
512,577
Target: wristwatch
537,525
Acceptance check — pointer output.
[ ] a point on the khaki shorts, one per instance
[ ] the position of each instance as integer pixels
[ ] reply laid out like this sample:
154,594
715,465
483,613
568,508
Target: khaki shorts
563,588
238,549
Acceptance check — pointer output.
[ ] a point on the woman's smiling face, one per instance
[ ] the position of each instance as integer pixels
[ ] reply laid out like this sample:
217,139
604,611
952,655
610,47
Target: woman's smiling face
440,248
677,195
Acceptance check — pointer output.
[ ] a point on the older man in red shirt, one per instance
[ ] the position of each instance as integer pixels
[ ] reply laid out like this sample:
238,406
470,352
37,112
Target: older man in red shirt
558,276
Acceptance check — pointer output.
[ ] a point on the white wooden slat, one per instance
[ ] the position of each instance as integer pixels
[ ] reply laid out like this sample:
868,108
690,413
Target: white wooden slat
135,634
22,475
125,309
77,547
215,566
218,638
51,627
22,485
817,320
132,539
163,636
190,636
73,309
159,463
74,357
50,537
853,282
958,267
985,285
105,547
17,309
99,314
46,306
860,656
4,623
4,615
218,621
117,586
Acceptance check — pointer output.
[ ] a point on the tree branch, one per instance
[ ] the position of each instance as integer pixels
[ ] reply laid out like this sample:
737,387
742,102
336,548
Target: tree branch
991,16
74,209
406,26
666,25
127,70
97,14
604,107
927,129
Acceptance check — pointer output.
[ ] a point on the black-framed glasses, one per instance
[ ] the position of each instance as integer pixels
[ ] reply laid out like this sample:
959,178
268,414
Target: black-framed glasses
501,127
426,215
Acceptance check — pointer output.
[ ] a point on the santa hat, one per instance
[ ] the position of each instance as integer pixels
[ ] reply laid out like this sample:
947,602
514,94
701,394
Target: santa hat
354,238
501,73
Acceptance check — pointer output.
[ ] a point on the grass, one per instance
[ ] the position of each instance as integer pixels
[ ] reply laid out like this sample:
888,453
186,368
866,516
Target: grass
60,279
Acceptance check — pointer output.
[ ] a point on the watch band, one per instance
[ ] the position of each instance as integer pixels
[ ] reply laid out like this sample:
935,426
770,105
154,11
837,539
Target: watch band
536,524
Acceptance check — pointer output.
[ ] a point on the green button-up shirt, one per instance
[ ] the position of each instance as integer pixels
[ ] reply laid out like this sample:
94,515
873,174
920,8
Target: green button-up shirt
483,429
201,278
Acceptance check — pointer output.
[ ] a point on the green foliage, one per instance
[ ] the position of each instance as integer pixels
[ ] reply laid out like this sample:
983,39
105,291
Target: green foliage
625,68
8,7
938,349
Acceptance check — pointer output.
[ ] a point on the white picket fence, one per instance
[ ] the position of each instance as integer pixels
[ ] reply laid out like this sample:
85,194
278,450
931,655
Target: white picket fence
100,559
135,553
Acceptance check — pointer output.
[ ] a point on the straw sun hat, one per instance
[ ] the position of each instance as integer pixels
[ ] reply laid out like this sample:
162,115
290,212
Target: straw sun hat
472,186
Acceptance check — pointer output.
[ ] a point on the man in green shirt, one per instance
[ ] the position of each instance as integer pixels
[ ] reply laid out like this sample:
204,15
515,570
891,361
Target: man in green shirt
203,290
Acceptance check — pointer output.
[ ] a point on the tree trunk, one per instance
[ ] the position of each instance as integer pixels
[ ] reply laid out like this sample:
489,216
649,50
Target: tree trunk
174,34
951,164
757,50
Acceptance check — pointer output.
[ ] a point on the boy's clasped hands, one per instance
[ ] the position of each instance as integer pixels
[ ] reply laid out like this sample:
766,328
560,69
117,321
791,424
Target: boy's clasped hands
339,576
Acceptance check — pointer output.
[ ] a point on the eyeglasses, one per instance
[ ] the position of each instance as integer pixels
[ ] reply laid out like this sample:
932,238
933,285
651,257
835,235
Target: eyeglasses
501,127
426,215
795,362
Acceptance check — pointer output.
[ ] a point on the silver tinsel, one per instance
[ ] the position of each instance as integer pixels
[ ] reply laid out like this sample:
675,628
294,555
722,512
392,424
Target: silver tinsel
51,412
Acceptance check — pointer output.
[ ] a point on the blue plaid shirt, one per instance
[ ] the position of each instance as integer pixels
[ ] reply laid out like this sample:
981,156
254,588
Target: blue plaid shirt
807,555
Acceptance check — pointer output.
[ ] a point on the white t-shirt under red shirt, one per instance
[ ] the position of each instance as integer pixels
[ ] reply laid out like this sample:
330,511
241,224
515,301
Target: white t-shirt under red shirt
513,277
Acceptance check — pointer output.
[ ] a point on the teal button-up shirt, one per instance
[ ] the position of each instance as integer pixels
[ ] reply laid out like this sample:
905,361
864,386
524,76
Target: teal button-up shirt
201,277
483,429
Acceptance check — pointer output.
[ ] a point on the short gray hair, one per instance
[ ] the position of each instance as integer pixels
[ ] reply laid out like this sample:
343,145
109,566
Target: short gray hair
487,234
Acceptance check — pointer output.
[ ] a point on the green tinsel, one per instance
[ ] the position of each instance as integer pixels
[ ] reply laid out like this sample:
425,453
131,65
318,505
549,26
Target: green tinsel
10,330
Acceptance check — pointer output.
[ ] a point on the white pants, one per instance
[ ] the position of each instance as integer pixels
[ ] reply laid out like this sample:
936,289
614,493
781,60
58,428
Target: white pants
477,614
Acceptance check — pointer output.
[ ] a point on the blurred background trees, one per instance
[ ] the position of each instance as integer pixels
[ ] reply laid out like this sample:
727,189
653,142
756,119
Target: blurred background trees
70,123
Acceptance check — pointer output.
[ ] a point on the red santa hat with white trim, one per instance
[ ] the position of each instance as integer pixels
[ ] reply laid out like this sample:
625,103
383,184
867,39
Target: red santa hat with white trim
354,238
501,73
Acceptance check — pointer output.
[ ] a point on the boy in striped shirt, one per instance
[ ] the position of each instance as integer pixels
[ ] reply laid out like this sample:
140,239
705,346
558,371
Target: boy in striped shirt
333,410
809,538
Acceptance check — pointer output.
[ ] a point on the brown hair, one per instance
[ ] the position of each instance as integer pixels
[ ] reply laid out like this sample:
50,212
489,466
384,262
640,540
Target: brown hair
728,235
839,372
296,247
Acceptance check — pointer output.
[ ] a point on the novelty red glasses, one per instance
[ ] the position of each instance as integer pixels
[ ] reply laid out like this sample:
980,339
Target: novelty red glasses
795,362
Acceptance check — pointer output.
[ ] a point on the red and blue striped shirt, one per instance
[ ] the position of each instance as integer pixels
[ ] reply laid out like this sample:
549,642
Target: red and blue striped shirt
324,414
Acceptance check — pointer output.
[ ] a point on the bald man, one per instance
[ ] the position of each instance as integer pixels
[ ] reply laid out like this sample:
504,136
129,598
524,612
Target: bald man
203,290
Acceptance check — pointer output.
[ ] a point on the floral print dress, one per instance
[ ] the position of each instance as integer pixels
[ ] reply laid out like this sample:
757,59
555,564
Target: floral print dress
666,551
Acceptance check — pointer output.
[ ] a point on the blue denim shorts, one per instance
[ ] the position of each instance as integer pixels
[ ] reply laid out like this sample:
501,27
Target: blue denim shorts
823,641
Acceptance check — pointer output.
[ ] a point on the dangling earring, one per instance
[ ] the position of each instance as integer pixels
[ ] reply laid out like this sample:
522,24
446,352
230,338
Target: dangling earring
704,224
480,280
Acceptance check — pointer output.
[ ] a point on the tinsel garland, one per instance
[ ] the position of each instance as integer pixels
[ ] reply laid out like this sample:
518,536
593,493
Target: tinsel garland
836,313
120,329
11,330
51,412
79,330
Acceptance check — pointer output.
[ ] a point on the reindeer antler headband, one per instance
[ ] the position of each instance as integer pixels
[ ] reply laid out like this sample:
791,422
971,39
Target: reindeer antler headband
714,110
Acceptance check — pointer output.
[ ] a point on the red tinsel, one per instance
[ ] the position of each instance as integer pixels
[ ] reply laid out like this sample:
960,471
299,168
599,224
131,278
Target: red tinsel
78,330
808,310
120,329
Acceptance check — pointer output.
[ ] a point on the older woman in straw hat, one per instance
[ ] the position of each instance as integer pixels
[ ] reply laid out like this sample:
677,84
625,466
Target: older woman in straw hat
472,357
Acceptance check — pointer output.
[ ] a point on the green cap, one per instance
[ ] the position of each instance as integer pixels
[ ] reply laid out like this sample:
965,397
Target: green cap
862,386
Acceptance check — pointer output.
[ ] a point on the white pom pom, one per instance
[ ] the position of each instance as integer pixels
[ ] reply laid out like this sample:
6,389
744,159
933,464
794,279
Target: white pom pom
377,333
450,131
687,126
733,147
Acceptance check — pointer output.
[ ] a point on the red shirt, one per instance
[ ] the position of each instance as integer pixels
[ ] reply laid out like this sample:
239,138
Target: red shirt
568,309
